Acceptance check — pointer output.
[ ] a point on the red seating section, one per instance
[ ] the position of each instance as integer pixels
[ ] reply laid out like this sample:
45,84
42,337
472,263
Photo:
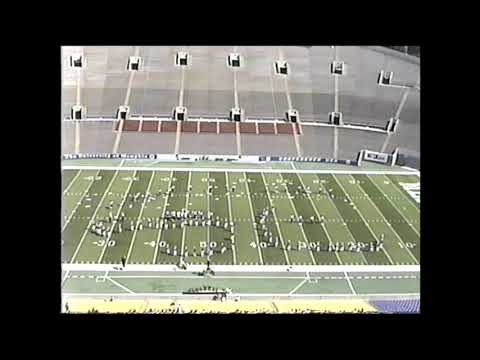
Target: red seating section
285,129
131,125
189,126
150,126
267,128
227,128
208,127
168,126
248,128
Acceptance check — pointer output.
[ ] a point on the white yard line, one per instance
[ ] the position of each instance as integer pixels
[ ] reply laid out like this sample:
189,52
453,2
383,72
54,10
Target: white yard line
71,182
208,209
132,241
318,215
252,213
298,286
363,219
393,204
163,216
65,277
94,215
79,202
242,170
292,205
115,220
119,285
234,253
350,283
187,199
276,221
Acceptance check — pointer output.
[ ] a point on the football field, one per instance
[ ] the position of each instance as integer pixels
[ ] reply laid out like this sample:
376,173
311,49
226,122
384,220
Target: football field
236,219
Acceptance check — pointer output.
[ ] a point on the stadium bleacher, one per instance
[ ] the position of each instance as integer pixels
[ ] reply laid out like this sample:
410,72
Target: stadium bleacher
130,117
210,96
397,306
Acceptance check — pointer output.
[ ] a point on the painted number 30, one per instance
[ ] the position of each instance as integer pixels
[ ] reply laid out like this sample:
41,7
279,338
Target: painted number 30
109,244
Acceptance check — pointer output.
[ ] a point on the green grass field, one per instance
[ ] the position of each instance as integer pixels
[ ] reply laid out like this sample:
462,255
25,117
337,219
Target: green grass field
368,219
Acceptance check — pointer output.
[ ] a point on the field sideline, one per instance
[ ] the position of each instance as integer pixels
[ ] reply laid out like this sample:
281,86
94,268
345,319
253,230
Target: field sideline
248,285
